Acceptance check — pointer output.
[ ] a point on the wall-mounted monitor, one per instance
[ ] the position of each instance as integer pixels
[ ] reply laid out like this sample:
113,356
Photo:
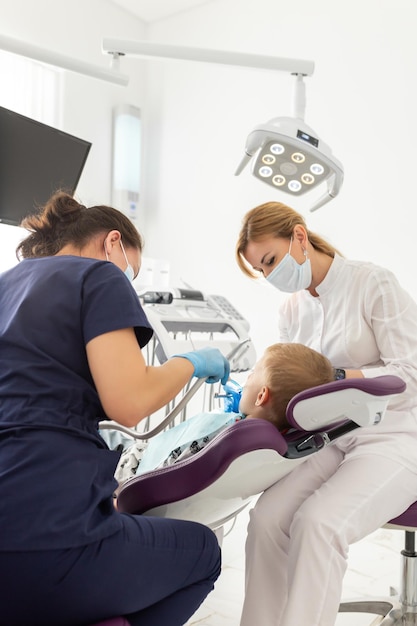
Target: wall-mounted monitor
35,161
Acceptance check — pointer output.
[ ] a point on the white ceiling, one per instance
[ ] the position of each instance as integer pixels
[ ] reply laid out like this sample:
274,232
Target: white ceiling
152,10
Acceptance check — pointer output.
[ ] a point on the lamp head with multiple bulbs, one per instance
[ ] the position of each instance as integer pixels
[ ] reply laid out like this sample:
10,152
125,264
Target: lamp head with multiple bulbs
289,156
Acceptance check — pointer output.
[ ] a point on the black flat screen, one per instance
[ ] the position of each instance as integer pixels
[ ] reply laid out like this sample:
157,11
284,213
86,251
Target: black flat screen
35,161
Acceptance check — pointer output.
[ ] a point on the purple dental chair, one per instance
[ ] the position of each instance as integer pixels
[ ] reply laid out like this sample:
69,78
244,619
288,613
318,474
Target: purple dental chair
213,486
217,483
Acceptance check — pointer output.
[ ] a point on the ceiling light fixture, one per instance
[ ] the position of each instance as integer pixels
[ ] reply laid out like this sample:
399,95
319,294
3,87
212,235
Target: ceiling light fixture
289,156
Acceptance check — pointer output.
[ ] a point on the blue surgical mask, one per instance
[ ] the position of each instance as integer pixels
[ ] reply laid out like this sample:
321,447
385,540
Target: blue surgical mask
129,271
290,276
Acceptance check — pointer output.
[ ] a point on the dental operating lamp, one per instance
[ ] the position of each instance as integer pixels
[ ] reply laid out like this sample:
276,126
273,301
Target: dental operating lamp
287,154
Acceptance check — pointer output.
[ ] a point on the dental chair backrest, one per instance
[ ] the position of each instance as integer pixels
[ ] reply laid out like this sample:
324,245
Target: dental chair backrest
215,484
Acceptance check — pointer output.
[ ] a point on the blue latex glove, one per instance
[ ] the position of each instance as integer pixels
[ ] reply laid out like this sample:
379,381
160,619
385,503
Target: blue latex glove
208,362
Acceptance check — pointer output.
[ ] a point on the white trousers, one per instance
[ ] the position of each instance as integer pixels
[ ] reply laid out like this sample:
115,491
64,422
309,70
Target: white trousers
300,531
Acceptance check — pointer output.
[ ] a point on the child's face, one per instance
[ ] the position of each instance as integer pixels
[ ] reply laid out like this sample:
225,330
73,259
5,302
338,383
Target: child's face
253,386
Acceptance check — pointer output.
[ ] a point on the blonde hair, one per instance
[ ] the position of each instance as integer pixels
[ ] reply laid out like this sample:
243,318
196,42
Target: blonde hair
291,368
273,219
63,220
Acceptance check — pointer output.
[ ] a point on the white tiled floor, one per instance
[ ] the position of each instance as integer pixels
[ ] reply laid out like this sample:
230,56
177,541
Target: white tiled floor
374,567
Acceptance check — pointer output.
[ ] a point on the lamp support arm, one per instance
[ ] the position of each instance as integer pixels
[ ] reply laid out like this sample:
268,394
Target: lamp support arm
186,53
299,97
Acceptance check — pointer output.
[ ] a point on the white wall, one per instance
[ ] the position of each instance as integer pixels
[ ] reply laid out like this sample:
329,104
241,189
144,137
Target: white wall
360,100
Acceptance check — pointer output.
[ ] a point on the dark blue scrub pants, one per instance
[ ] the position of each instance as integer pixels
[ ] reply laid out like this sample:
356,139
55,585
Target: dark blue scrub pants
155,572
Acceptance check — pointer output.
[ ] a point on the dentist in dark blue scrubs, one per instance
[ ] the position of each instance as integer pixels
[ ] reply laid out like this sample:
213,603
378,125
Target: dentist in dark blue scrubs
71,333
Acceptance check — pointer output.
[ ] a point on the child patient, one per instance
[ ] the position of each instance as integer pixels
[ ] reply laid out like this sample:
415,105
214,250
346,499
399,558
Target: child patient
284,370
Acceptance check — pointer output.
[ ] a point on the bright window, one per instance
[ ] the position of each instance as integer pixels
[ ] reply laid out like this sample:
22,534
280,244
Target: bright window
32,89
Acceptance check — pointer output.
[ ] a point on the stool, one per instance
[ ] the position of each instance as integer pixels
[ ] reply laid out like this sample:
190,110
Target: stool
114,621
400,609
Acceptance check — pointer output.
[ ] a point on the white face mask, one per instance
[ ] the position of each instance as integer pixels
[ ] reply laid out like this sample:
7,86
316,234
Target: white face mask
290,276
129,271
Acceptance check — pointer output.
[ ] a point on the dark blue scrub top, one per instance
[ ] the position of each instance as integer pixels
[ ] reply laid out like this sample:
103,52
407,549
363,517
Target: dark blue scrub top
56,472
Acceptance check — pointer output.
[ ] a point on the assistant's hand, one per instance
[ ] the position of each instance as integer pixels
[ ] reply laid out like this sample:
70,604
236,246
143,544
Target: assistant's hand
210,363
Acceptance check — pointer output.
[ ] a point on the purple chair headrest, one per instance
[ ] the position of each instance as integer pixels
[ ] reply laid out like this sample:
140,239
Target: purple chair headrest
378,387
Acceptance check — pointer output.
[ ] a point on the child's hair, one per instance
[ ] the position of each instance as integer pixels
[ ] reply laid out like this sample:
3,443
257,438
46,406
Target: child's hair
63,220
273,219
291,368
